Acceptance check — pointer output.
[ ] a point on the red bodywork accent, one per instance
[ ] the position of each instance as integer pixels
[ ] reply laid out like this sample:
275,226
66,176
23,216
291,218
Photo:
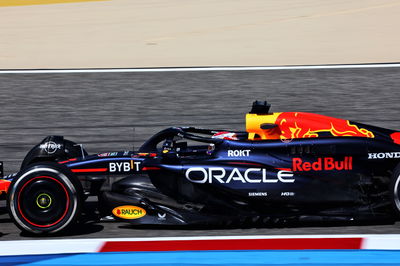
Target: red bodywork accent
70,160
4,185
145,154
150,168
284,169
89,170
396,137
225,135
234,244
244,163
66,208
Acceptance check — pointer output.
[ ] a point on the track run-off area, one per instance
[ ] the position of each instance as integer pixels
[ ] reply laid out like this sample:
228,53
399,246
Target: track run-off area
118,109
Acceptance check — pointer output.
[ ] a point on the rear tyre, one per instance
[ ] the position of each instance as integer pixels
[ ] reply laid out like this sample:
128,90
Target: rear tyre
44,198
395,190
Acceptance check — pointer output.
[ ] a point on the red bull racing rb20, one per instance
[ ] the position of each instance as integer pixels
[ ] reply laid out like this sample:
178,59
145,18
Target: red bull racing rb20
286,167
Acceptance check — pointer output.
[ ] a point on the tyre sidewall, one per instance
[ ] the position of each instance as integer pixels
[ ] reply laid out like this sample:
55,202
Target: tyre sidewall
69,182
395,191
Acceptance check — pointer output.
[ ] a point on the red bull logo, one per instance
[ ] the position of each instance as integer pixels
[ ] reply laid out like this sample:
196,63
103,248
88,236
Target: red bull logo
293,125
323,164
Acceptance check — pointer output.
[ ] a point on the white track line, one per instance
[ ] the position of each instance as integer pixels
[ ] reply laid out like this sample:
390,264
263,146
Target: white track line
189,69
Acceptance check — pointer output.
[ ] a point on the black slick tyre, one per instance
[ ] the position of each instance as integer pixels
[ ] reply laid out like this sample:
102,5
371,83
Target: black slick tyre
44,198
395,191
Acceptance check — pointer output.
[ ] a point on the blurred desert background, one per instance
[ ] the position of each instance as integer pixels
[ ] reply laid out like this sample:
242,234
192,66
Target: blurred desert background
40,34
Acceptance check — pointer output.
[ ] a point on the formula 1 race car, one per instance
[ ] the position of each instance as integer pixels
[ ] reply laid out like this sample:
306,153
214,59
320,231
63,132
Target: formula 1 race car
286,166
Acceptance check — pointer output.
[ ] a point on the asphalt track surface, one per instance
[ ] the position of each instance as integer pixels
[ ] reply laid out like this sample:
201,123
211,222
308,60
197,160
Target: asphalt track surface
119,111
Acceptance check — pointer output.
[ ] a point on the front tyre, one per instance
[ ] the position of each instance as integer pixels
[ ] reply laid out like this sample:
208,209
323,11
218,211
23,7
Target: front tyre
44,198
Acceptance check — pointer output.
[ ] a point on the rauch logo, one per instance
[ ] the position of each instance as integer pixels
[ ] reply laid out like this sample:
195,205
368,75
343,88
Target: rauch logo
129,212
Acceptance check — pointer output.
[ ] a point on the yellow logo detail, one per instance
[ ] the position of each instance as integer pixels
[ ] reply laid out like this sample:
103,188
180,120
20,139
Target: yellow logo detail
129,212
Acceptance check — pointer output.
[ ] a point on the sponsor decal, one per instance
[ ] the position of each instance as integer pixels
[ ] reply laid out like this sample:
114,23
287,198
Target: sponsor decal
125,153
258,194
122,167
50,147
323,164
210,175
287,194
238,153
129,212
107,154
162,217
384,155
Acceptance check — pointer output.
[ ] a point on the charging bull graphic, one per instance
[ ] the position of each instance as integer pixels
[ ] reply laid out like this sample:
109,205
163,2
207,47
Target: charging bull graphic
307,125
293,125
